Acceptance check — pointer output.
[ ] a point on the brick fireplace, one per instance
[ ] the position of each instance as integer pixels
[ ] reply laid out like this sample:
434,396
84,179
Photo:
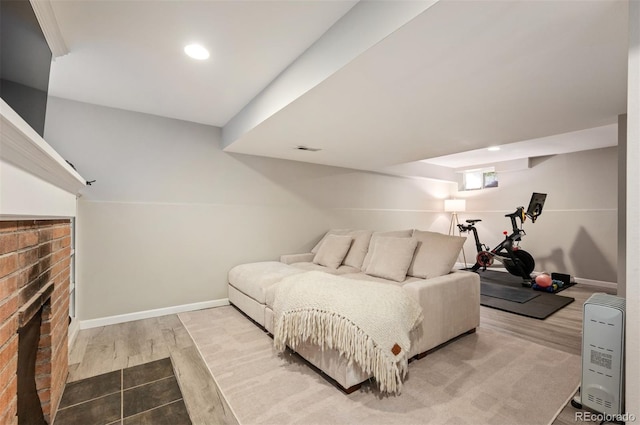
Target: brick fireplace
35,258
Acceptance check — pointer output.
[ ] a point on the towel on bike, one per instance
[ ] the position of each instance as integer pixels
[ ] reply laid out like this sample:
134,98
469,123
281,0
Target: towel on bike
367,322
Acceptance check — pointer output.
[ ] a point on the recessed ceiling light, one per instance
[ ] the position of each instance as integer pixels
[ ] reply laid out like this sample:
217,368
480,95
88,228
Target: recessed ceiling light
196,51
493,148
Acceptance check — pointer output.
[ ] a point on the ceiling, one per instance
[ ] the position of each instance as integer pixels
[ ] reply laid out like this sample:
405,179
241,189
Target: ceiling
574,141
129,54
373,84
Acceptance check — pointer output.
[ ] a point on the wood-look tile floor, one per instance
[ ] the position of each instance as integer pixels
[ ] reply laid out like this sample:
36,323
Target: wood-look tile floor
112,348
109,348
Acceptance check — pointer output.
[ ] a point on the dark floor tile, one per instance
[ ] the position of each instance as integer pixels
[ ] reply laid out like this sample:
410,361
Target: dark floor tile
147,372
90,388
149,396
103,410
170,414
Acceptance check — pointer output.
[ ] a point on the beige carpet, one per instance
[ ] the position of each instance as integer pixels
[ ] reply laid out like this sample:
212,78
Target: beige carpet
483,378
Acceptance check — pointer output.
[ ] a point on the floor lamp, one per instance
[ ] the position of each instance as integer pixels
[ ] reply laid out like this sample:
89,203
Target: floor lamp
454,206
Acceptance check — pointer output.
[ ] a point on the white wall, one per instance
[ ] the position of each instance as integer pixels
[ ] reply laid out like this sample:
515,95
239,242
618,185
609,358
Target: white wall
171,213
622,205
577,232
23,195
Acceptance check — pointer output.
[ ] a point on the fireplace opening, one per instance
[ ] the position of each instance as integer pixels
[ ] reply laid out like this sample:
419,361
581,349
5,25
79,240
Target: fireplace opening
35,264
29,405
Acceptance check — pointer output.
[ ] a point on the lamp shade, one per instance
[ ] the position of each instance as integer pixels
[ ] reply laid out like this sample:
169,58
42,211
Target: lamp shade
455,205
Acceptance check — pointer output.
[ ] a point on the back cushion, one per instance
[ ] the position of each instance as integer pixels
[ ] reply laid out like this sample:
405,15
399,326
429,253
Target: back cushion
359,248
435,255
375,235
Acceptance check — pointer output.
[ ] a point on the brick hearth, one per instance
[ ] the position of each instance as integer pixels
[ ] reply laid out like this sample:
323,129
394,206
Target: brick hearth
34,272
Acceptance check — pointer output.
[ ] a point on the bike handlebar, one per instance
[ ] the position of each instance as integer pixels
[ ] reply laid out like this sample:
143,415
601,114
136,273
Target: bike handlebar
519,212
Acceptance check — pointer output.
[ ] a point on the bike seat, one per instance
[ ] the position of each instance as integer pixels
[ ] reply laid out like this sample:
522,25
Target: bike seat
473,221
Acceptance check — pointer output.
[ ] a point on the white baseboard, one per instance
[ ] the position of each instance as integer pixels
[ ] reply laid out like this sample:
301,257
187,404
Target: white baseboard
72,332
129,317
579,280
591,282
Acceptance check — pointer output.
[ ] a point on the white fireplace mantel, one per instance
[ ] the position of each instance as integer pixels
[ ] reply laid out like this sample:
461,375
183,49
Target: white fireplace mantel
35,181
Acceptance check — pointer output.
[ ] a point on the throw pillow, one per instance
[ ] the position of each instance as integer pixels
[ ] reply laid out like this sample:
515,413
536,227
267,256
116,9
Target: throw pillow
332,251
436,254
330,232
376,235
391,257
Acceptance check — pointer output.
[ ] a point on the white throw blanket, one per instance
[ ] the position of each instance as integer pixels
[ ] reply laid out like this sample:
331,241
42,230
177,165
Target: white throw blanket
368,322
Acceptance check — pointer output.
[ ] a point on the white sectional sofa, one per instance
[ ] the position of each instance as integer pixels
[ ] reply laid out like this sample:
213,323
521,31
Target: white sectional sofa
450,300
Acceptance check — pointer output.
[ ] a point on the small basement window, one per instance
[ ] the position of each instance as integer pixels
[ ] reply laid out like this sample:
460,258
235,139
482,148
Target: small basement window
479,179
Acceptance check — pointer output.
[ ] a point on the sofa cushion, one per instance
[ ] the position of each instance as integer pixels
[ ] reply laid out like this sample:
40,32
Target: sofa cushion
341,232
297,258
391,257
369,278
333,250
253,279
359,248
375,235
435,255
304,267
317,267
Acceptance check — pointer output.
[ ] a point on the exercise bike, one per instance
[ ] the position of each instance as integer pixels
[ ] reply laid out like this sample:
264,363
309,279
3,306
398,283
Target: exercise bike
517,261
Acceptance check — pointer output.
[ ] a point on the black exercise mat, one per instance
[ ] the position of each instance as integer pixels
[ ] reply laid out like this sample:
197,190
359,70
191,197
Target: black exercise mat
518,295
540,307
504,278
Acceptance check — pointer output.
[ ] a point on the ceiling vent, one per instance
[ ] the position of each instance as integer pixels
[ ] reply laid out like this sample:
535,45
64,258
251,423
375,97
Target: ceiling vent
306,148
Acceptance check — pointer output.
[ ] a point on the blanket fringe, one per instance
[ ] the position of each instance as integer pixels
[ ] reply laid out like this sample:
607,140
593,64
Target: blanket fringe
332,331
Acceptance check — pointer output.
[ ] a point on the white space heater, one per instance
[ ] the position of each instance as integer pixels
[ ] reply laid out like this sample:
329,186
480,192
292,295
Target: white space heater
602,387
